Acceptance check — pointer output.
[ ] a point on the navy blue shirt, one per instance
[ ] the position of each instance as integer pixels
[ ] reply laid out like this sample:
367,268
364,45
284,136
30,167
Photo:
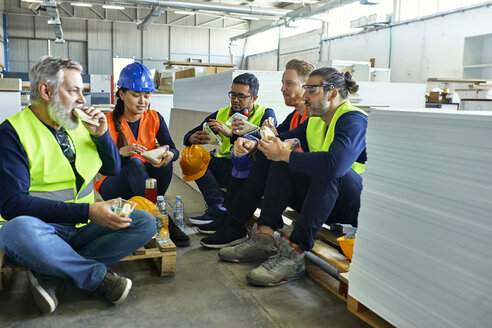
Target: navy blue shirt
15,180
163,136
268,113
348,146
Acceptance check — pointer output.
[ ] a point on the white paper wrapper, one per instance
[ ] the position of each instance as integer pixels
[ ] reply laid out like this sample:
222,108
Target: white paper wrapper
212,137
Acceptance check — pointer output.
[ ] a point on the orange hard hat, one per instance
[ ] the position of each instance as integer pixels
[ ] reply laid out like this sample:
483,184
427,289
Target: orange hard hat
143,204
194,161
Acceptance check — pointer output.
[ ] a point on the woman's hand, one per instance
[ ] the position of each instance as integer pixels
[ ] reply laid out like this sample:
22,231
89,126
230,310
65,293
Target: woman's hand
132,149
165,157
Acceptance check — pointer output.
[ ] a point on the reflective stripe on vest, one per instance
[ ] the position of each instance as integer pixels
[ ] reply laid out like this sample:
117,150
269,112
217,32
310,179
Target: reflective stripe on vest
223,115
316,129
51,174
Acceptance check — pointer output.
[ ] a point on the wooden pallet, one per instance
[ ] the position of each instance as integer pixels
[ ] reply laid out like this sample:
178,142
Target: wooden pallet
365,314
163,254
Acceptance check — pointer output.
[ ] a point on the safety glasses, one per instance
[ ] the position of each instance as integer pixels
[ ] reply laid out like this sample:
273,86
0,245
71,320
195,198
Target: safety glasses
238,96
314,88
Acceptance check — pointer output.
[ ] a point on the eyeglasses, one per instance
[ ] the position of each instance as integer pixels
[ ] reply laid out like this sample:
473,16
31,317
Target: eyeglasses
238,96
66,144
314,88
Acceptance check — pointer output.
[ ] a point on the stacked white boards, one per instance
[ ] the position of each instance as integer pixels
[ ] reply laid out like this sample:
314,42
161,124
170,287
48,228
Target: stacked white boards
422,255
209,93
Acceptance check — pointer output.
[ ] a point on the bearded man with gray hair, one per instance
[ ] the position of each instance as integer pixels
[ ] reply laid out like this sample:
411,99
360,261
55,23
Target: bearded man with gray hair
48,163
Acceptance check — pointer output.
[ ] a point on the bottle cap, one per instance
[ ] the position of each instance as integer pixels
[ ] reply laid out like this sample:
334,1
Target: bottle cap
150,183
160,198
178,197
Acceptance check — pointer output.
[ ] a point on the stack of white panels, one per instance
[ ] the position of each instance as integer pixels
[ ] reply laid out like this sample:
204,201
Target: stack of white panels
423,252
209,93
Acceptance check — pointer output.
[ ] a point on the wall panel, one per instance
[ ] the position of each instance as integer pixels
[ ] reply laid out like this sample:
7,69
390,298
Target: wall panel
127,40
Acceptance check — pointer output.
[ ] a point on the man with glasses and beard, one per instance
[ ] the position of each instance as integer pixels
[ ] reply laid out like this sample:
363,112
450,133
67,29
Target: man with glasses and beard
323,182
48,163
243,94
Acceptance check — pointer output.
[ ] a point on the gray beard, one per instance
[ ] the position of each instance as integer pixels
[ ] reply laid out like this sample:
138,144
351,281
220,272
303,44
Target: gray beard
61,115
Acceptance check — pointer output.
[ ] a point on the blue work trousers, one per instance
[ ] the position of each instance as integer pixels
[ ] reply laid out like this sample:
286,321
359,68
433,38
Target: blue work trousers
80,255
218,175
318,200
131,179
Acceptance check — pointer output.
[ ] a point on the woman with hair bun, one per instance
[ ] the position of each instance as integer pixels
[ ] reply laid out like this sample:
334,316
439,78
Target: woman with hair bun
323,183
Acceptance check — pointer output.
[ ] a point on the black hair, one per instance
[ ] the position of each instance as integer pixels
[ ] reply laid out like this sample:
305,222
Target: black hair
249,80
345,83
119,110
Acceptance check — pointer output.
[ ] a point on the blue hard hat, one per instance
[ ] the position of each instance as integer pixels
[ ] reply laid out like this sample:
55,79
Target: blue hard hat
136,76
240,166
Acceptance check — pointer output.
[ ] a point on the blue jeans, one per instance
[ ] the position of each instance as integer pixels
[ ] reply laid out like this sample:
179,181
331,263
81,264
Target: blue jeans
80,255
218,175
131,179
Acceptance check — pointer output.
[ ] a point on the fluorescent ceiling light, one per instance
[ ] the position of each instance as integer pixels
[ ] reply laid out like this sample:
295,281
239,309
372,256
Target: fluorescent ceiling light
249,17
113,7
182,12
211,12
81,4
299,1
37,1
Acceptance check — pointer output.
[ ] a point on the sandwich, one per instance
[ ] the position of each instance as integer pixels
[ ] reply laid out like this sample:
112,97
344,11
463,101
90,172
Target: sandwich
212,137
153,155
85,117
265,133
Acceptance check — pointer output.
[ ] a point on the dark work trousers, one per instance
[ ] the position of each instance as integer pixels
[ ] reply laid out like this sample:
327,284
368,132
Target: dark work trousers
218,175
318,200
131,179
232,190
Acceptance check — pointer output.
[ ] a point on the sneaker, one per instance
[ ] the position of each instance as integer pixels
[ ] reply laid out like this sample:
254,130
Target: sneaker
212,227
114,287
286,266
43,289
207,217
229,234
178,237
258,248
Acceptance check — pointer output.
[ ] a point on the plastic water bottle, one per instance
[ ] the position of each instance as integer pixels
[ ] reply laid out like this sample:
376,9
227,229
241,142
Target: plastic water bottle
162,221
178,213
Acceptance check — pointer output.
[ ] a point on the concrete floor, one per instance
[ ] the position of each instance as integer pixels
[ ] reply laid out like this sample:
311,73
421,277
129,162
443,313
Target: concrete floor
204,292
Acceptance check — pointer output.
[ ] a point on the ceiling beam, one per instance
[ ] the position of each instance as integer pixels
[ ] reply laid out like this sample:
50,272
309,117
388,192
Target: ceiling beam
210,21
301,13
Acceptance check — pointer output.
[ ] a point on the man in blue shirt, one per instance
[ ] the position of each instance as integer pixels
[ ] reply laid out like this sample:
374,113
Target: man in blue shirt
322,182
243,94
49,159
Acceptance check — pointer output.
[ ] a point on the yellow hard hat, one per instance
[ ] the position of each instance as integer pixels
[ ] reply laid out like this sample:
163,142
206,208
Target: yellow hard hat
143,204
194,161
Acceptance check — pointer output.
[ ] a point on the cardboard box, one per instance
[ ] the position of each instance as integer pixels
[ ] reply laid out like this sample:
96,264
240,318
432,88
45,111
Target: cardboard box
190,72
166,84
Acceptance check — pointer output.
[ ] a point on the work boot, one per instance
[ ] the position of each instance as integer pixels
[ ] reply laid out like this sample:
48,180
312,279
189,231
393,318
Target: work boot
210,214
43,289
212,227
286,266
258,248
178,237
229,234
114,287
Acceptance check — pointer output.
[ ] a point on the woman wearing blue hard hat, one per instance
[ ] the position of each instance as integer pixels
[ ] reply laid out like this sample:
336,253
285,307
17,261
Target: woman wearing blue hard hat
134,129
